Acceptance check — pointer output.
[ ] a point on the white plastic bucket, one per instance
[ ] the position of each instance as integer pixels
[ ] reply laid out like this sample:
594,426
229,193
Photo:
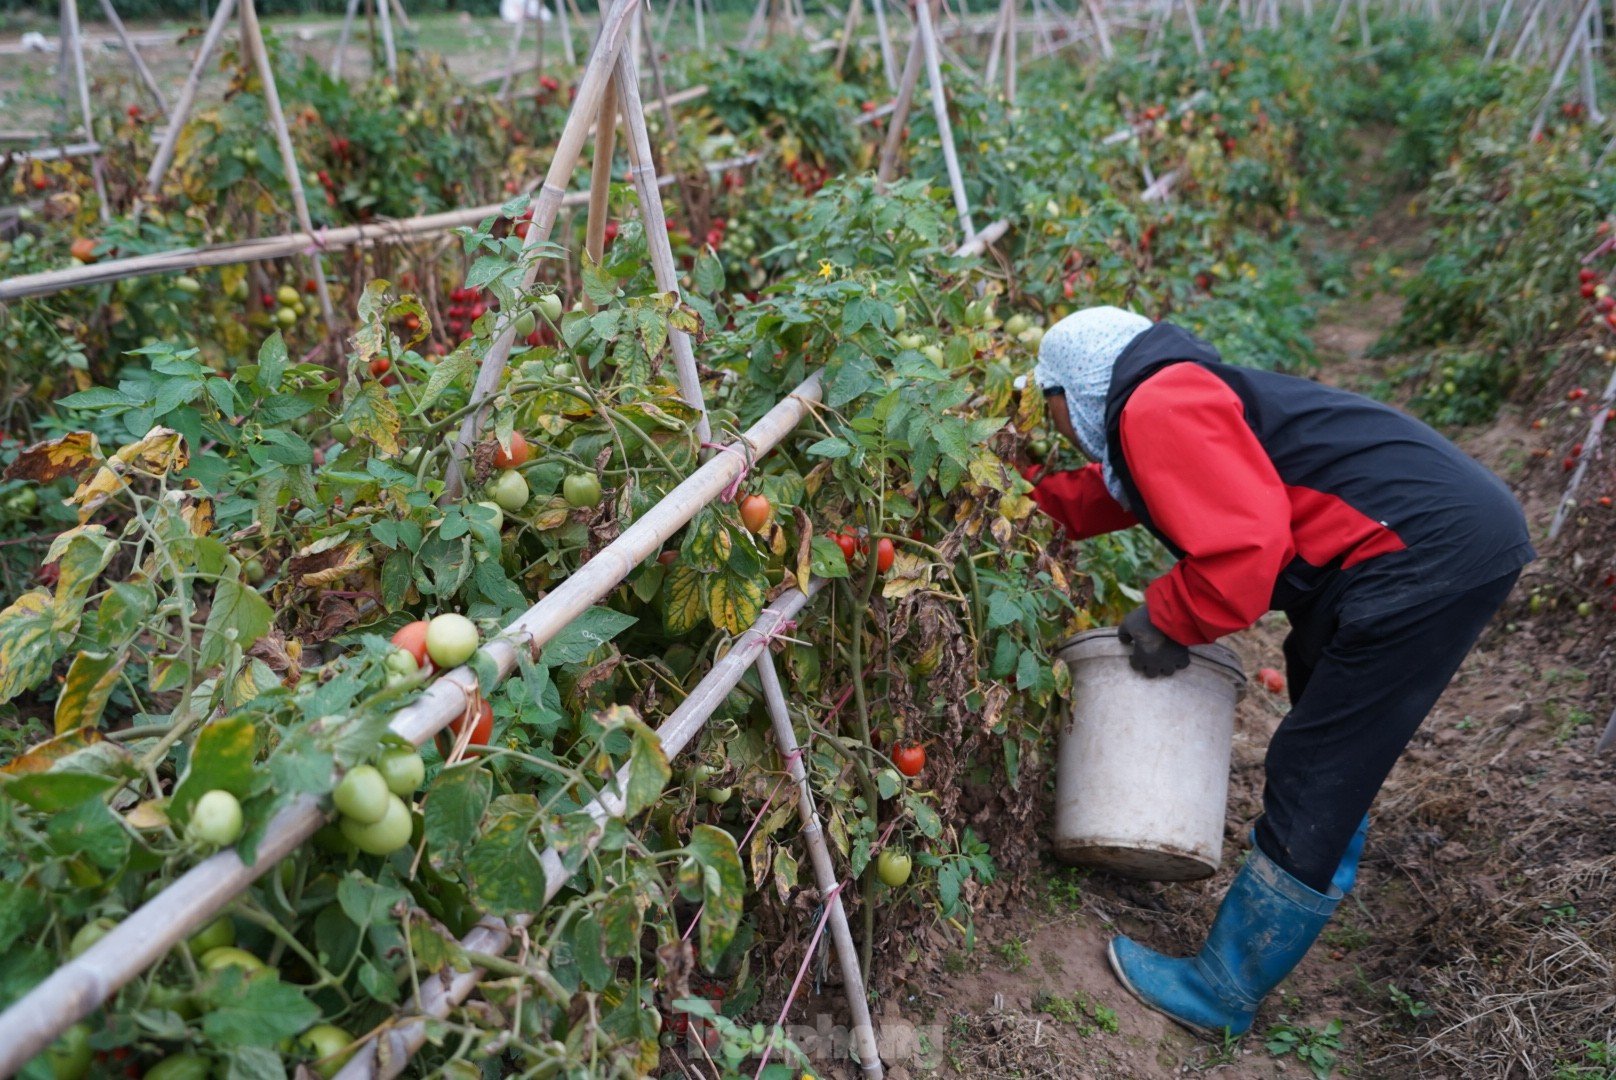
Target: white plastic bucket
1143,777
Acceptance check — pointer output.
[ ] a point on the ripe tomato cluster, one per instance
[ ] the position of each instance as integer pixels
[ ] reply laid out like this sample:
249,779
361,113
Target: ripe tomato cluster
853,542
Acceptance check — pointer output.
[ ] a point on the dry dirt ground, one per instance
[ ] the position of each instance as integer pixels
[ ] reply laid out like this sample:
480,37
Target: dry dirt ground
1481,941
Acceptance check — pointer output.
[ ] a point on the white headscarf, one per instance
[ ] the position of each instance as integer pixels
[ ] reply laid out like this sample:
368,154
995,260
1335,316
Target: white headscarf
1077,355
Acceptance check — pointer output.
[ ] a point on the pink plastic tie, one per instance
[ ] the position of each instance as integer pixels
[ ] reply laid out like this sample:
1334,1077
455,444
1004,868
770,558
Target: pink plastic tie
734,487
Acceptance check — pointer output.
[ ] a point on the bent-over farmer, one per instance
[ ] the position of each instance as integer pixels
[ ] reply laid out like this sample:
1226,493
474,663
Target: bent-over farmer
1386,546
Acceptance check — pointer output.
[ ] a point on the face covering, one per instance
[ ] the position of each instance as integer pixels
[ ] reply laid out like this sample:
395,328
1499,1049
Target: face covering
1077,355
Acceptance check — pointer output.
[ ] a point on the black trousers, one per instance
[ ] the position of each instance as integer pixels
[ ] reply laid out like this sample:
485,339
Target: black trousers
1359,691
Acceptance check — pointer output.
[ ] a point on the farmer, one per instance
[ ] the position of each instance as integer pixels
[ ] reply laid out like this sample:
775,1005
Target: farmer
1387,548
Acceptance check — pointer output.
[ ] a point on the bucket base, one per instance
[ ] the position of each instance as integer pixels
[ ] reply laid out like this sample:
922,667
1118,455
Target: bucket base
1146,863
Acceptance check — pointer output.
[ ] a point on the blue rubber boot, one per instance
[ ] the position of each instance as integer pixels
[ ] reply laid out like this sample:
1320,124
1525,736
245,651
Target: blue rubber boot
1267,923
1346,874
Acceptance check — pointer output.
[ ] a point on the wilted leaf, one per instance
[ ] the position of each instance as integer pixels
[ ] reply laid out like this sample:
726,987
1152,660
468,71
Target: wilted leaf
43,462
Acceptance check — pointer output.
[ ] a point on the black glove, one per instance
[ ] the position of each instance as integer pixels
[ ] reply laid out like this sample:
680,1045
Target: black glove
1154,653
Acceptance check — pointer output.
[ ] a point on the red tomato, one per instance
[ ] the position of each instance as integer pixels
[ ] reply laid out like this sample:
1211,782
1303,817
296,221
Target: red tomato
518,454
848,543
884,554
411,637
910,758
756,511
1586,274
1271,680
669,557
380,365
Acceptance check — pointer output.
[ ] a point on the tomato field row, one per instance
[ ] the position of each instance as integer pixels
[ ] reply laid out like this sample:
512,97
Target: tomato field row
233,574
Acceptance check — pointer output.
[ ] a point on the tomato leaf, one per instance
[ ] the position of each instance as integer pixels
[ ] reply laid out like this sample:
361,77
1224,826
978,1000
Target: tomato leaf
239,617
723,888
254,1012
684,600
734,601
453,808
504,870
223,758
30,642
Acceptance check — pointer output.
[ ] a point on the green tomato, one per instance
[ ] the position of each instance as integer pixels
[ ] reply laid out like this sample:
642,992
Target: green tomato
451,640
718,796
563,371
287,295
250,155
216,935
581,490
362,795
499,515
525,323
187,284
228,956
1016,323
1038,449
286,316
509,490
325,1043
697,775
550,306
894,867
412,457
216,818
340,432
69,1056
385,836
401,662
934,353
175,1000
900,318
402,769
90,933
180,1067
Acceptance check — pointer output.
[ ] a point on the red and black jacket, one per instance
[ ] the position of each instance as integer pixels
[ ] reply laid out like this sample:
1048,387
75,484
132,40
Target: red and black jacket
1265,486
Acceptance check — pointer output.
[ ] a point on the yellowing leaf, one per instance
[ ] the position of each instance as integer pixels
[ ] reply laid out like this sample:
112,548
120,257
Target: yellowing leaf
734,602
372,415
90,679
159,452
65,456
683,600
908,573
29,642
148,815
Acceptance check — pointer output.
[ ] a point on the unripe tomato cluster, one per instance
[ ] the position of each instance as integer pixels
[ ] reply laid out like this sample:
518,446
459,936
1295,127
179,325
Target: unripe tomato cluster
370,799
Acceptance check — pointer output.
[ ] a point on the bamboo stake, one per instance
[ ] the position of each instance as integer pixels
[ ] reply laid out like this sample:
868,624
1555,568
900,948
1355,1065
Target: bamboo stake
977,244
888,64
509,80
945,130
900,115
853,9
701,25
601,175
253,40
342,39
404,23
1573,45
1101,32
990,72
591,88
1590,86
1012,61
638,144
182,107
1199,38
567,48
847,957
384,11
492,936
81,80
146,78
78,987
1528,26
266,248
52,153
1590,451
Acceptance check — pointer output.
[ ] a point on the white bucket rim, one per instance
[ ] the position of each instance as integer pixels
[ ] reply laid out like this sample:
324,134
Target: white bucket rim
1220,657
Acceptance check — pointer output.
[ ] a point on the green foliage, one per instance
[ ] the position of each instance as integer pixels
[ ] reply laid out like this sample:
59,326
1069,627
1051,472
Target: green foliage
1316,1048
